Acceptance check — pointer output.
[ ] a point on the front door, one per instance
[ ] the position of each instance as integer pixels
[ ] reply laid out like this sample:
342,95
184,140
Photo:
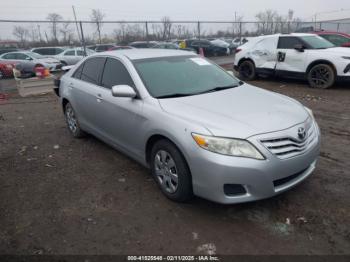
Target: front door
120,118
290,60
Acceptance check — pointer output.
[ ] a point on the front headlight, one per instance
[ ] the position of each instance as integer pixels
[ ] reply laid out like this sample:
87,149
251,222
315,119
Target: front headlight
227,146
309,111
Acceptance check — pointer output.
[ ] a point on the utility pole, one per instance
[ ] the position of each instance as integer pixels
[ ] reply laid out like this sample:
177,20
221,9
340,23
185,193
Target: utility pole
76,23
39,33
82,37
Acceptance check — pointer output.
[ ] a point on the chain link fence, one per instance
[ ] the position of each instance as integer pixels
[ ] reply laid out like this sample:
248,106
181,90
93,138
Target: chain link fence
27,34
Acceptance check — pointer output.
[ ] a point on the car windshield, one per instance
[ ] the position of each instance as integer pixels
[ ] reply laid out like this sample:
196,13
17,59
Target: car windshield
34,55
182,76
316,42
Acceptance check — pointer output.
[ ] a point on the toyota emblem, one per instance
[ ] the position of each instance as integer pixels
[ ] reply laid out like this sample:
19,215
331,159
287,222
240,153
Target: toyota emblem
301,133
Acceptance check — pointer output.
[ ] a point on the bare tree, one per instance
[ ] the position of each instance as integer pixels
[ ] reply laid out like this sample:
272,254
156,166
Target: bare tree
67,33
237,26
166,27
21,33
97,17
270,22
54,18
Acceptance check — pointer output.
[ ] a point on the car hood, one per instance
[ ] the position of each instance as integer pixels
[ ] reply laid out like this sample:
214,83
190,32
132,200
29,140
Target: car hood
336,51
239,112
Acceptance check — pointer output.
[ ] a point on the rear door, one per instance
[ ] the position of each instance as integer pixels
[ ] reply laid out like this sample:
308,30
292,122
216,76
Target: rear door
264,54
84,88
69,57
290,60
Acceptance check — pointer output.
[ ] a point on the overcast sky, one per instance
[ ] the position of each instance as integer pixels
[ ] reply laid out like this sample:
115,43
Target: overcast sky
175,9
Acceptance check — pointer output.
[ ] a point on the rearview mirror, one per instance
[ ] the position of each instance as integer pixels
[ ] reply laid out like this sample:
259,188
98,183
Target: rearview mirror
299,47
123,91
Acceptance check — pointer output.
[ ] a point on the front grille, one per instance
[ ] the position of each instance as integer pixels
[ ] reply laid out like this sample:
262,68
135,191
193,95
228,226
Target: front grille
286,147
287,179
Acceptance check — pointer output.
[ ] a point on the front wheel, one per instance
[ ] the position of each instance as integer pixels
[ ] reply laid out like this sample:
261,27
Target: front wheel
246,70
170,170
321,76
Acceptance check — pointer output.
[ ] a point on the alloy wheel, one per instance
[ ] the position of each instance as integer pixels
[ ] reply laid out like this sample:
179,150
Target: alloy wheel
166,171
71,119
321,76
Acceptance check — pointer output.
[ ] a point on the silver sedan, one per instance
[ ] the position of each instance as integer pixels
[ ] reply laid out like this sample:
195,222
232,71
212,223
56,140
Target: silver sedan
200,130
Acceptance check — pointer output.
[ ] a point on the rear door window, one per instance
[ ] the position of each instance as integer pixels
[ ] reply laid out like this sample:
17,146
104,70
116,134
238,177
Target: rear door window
80,53
10,56
92,70
115,73
70,53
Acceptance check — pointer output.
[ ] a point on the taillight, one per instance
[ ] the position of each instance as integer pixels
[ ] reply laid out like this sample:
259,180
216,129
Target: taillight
238,50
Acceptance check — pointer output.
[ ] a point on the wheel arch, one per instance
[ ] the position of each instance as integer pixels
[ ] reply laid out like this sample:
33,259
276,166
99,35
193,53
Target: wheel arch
321,61
245,59
153,139
65,101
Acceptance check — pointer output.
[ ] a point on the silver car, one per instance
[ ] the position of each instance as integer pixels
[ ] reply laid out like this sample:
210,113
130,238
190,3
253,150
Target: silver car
200,130
31,60
72,56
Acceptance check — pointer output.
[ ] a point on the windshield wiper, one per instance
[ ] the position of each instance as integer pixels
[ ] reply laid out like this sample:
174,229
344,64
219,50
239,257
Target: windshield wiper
219,88
174,95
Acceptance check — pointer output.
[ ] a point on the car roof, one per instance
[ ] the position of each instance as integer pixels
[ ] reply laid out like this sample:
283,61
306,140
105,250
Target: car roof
44,47
144,53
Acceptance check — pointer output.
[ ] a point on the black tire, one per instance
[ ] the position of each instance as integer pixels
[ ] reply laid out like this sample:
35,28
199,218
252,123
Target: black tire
69,113
247,70
321,76
183,190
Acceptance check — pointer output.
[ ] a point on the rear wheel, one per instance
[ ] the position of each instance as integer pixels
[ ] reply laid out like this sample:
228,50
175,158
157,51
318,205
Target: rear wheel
72,122
170,170
246,70
321,76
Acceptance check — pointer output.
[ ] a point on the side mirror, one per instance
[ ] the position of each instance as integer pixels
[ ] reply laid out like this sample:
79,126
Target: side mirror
299,47
230,72
123,91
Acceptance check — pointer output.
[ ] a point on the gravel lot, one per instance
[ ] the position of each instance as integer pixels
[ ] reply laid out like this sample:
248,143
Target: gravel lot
61,195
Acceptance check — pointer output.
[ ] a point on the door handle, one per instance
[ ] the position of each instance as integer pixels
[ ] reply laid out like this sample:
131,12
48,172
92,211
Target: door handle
99,98
71,85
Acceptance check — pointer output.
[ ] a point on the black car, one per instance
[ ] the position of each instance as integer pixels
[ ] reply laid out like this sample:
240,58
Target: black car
143,44
48,51
209,48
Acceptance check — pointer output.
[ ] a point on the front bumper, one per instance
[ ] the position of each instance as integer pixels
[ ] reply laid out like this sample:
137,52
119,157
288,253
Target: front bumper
260,178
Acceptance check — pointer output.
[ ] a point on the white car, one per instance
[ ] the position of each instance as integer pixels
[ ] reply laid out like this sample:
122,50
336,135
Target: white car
305,56
72,56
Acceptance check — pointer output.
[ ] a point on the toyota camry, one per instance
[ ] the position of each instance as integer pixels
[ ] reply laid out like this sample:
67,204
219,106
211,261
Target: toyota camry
199,129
